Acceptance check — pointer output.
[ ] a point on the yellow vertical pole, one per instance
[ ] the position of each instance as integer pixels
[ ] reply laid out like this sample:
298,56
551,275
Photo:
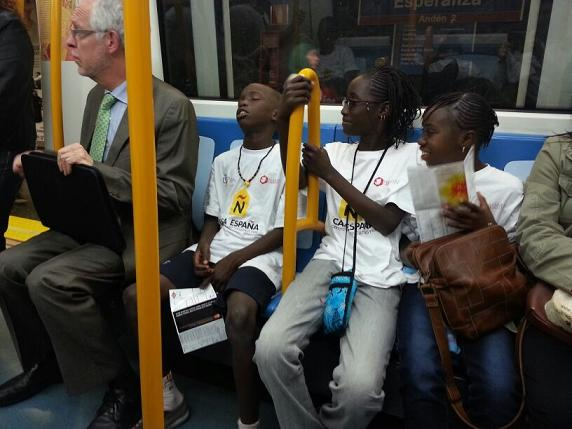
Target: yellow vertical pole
144,184
56,74
291,223
20,8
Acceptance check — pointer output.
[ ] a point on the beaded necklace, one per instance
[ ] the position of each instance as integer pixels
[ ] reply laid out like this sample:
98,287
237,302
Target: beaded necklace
247,182
241,199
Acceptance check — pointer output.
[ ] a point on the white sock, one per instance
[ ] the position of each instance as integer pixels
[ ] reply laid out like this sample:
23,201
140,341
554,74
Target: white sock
172,397
254,425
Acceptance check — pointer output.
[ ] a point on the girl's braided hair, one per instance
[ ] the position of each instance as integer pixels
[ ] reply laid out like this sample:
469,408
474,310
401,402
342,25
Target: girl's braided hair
470,111
393,87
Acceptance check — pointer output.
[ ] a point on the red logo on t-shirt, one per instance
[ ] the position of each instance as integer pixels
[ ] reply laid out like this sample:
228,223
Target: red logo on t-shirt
264,179
378,181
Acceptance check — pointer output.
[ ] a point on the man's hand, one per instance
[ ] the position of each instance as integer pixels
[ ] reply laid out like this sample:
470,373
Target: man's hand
17,166
73,154
201,260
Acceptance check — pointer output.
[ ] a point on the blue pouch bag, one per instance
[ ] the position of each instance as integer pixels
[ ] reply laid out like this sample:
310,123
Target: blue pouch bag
338,306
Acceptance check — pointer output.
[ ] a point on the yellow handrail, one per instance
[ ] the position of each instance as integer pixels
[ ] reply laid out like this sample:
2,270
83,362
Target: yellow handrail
20,8
144,179
291,223
56,74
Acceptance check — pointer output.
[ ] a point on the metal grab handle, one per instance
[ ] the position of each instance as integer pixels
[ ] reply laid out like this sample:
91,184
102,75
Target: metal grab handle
56,74
20,8
144,186
291,223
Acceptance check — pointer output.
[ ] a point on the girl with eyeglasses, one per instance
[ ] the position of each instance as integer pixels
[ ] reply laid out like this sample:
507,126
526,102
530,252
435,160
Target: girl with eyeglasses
379,108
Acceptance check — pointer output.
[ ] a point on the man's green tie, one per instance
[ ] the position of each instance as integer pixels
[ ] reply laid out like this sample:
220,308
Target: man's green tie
99,138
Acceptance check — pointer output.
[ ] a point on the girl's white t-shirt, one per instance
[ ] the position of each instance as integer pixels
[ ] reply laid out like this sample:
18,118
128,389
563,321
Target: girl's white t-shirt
244,220
504,195
377,261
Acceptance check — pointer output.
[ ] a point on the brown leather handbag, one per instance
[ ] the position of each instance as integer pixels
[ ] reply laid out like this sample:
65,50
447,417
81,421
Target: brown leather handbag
474,278
471,281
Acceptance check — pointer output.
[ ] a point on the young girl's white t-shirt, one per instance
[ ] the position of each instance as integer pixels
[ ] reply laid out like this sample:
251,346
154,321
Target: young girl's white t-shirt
504,195
242,223
377,261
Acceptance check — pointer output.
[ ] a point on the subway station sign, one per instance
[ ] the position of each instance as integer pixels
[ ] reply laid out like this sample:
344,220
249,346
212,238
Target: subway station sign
436,12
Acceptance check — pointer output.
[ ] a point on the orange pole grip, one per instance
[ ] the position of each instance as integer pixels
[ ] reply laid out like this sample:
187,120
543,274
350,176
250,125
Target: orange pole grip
291,223
56,74
144,183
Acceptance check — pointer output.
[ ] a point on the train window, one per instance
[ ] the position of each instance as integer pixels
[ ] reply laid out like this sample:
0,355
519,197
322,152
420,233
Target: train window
514,52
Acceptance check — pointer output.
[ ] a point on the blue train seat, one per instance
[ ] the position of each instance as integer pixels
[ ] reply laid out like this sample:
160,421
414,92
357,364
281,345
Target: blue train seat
205,160
520,169
505,148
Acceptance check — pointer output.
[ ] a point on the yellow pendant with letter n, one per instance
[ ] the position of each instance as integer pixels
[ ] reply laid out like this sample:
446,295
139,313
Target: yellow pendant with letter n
240,203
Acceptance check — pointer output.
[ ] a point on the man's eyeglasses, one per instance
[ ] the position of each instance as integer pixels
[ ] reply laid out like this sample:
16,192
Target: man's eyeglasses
80,33
349,103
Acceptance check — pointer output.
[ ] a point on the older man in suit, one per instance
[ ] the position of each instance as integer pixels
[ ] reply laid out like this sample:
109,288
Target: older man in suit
51,287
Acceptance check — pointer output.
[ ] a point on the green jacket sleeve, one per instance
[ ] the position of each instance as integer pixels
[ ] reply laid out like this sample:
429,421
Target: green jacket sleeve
544,233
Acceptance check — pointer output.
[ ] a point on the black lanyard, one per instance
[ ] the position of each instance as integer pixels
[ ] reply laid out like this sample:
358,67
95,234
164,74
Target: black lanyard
354,213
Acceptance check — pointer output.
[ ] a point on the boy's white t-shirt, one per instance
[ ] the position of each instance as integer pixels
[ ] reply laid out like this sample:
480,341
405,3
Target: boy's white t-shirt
377,262
243,222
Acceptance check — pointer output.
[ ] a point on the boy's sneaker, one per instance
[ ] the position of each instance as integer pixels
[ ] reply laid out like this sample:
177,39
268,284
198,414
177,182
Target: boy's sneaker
177,416
173,418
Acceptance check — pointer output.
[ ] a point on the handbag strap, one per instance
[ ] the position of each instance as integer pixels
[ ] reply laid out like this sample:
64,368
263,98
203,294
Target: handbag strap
453,393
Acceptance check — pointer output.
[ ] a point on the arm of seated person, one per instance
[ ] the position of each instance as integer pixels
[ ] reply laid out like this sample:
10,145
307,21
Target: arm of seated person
404,245
73,154
296,93
17,167
384,218
544,244
226,267
203,253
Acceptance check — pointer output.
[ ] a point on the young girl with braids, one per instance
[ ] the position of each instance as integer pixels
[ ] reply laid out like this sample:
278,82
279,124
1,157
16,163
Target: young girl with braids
379,108
453,125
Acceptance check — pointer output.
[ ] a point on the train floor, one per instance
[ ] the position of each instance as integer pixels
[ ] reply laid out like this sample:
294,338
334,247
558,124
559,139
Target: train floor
213,404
